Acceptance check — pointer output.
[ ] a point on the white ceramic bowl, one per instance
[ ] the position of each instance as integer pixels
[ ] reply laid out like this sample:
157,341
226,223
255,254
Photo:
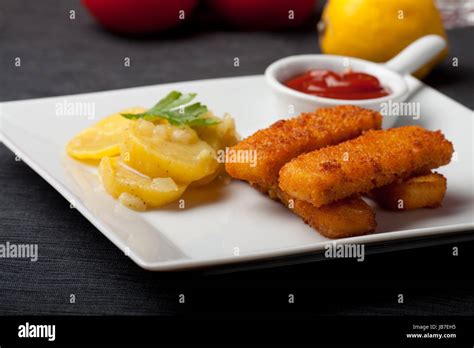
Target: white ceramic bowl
391,75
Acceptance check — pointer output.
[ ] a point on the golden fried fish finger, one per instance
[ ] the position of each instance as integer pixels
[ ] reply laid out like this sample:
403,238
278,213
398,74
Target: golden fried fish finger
345,218
375,159
425,191
284,140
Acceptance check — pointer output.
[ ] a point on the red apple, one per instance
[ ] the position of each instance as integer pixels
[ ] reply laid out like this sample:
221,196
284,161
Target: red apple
264,14
139,16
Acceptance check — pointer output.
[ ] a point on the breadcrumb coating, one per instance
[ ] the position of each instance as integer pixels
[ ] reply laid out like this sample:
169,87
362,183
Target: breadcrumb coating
287,139
348,217
375,159
424,191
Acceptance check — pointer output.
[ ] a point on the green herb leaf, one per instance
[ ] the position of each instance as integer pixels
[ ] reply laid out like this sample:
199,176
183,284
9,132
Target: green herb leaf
172,108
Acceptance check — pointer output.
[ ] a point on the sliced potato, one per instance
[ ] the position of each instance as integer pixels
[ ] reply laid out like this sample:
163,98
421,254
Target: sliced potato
164,150
221,135
425,191
102,139
118,179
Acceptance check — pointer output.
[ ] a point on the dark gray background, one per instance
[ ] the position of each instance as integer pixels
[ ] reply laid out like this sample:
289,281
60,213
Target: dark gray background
62,56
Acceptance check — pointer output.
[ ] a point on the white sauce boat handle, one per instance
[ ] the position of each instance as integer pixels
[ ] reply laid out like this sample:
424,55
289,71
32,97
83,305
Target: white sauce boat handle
417,54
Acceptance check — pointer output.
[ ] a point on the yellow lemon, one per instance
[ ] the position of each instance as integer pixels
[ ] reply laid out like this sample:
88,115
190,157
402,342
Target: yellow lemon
377,30
102,139
135,190
164,150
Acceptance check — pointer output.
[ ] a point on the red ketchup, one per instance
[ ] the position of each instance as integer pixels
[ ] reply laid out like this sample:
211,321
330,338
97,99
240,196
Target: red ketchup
329,84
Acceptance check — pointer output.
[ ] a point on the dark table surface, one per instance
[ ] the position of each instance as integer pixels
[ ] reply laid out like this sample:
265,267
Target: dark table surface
61,56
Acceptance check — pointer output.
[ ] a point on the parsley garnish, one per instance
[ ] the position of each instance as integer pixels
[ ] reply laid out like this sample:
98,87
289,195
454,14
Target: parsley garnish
172,108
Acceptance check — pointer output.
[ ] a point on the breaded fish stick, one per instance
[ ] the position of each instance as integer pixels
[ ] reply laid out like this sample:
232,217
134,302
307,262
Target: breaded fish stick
375,159
345,218
424,191
286,139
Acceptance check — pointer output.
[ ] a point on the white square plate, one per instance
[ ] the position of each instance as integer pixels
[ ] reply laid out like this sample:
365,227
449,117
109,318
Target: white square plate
234,223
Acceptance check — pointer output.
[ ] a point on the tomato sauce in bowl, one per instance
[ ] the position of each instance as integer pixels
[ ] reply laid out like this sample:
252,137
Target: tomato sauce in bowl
348,85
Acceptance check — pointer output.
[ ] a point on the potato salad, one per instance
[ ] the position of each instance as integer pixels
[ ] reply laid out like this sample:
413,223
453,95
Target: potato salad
148,158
